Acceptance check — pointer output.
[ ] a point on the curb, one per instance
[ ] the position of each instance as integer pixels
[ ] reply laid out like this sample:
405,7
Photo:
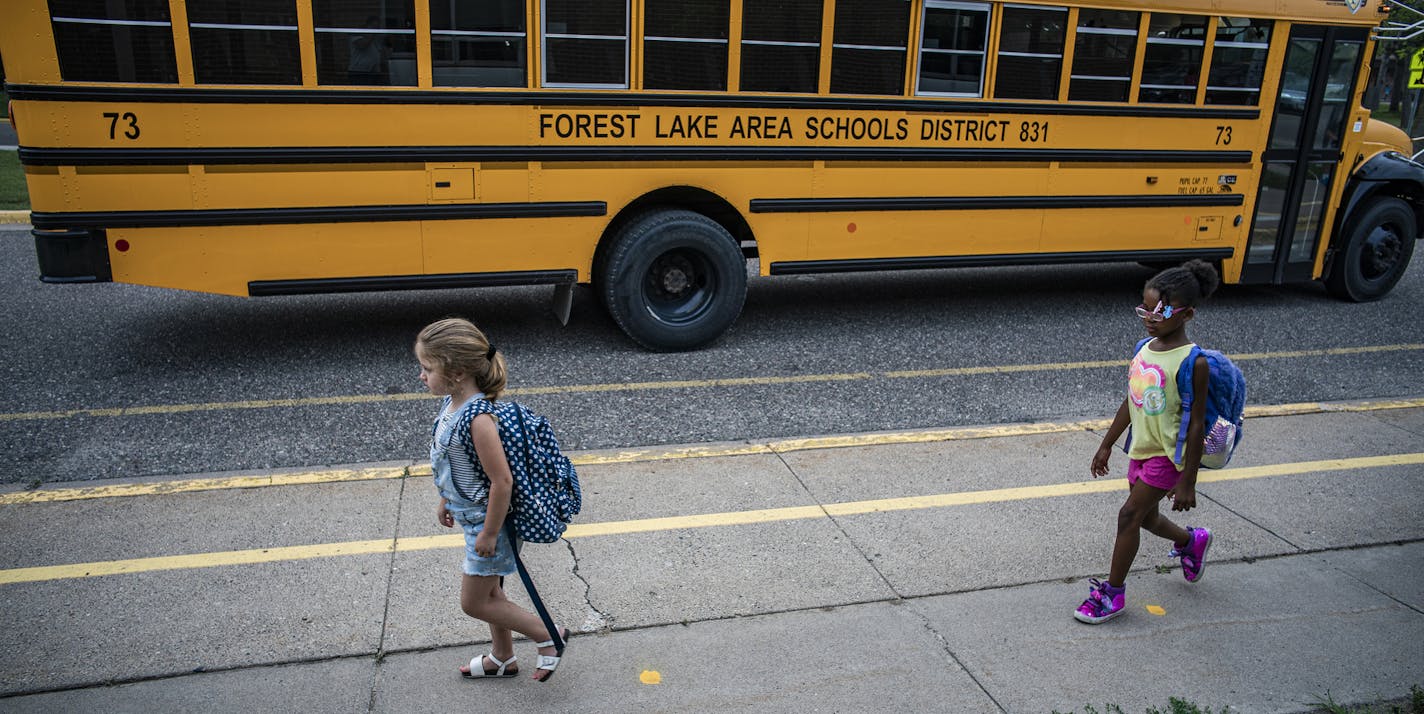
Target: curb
14,216
17,493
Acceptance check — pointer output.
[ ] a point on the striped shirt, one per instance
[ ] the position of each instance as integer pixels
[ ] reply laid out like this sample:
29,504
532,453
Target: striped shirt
458,475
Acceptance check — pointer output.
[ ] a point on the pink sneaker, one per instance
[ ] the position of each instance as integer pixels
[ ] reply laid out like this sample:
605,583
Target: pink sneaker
1194,554
1104,603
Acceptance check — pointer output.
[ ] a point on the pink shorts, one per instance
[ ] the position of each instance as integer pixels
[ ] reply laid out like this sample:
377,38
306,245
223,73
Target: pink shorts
1157,472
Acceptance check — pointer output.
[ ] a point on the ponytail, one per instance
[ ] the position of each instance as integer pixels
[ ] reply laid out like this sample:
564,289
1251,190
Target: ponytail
494,378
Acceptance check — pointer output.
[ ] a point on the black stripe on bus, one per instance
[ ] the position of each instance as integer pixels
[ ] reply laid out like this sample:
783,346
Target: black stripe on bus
616,98
978,203
261,288
396,154
799,267
321,214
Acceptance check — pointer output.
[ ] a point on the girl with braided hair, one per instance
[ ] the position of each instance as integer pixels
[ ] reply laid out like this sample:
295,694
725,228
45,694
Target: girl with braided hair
1153,408
458,362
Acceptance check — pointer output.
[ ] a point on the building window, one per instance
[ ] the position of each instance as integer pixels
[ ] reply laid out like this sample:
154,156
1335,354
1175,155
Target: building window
365,42
870,48
244,41
781,45
100,41
586,43
953,39
1103,55
478,43
1172,60
685,44
1030,52
1238,61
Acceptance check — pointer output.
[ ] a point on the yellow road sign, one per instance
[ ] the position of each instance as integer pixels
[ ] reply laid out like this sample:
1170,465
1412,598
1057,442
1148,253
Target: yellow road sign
1416,70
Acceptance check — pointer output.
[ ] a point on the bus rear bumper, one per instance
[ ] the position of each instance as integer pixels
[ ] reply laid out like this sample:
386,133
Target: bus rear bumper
72,256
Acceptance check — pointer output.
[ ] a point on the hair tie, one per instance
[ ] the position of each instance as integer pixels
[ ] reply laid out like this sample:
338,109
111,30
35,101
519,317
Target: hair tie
489,355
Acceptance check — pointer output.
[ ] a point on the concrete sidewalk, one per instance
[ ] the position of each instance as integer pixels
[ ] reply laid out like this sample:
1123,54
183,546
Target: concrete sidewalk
959,599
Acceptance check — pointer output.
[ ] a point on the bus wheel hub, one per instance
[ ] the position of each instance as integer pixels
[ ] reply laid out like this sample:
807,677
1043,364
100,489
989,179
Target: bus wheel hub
673,276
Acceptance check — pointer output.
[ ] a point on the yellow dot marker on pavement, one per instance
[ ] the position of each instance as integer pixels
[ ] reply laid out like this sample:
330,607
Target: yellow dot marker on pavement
650,677
1156,610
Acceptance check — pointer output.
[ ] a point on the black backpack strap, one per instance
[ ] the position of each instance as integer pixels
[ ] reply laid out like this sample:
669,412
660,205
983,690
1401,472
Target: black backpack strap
533,593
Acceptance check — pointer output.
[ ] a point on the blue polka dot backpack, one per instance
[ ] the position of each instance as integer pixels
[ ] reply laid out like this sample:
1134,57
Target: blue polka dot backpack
546,488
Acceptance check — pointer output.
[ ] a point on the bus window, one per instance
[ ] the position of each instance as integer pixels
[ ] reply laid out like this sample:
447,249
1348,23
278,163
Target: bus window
1103,55
1030,52
781,45
586,43
244,43
1335,108
1238,62
478,43
114,42
1295,91
954,38
1172,60
868,56
685,44
365,42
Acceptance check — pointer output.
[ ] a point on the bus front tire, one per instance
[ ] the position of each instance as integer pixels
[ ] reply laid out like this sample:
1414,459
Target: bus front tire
1376,253
673,280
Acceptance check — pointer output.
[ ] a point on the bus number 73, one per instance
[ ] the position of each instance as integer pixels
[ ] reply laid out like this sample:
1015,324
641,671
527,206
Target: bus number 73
131,132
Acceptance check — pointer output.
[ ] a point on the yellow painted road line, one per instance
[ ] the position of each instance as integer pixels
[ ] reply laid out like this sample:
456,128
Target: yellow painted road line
673,384
671,523
154,488
196,560
630,456
935,435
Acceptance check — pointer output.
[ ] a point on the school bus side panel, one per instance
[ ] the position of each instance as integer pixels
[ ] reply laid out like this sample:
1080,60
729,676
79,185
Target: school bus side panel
223,259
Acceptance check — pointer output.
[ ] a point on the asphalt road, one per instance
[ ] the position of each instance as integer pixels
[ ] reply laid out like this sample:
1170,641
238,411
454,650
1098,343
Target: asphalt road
818,353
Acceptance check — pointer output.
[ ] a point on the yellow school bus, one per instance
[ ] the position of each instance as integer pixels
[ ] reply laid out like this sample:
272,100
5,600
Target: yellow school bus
652,147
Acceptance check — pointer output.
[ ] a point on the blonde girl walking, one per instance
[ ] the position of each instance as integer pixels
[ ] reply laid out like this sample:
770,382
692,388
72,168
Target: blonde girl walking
458,362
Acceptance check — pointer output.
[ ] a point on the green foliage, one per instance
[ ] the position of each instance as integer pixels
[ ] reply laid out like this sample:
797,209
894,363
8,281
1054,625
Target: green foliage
1414,705
1174,706
1182,706
1325,704
1386,48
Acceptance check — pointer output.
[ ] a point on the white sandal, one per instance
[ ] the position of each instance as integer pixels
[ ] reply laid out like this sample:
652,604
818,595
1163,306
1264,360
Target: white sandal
549,663
478,665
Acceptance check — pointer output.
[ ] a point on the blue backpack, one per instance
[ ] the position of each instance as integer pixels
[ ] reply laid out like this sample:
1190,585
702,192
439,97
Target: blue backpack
546,487
1225,405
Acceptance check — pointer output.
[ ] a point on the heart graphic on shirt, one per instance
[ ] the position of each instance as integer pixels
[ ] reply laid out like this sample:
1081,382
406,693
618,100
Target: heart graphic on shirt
1144,386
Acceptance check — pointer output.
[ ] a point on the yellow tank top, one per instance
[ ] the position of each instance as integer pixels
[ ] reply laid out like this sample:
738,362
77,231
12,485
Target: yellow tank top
1153,402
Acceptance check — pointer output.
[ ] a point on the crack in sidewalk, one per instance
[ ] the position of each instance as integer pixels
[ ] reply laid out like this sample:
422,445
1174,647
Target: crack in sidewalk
594,619
949,652
869,560
379,655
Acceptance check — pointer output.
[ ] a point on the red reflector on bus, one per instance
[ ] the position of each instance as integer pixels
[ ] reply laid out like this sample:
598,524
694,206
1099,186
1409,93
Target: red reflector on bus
121,245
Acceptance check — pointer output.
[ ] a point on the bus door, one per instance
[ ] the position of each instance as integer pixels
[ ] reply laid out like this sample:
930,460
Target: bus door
1302,157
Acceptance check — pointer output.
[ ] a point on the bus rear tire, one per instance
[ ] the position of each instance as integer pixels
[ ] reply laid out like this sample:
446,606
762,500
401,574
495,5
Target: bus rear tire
673,280
1376,253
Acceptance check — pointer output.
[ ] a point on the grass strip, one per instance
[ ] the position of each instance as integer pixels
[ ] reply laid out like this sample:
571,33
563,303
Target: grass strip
14,195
